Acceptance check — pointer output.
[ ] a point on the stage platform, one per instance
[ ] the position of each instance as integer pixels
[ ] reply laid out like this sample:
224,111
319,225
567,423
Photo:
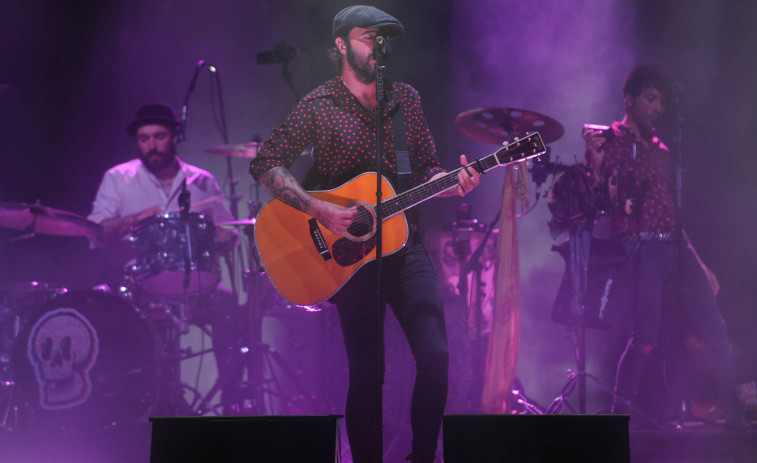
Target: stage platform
693,442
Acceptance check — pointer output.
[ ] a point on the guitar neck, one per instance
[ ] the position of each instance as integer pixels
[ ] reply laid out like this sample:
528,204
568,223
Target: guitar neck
526,148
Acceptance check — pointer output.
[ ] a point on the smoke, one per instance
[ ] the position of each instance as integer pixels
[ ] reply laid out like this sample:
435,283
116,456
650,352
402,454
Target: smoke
565,60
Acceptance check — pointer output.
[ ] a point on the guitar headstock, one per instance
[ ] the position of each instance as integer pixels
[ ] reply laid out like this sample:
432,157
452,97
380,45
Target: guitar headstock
521,149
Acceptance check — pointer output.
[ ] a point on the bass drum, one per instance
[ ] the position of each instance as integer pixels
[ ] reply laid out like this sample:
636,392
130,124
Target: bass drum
86,361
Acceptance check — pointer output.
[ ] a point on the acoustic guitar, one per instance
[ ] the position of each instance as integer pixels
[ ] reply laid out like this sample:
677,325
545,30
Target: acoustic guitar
308,264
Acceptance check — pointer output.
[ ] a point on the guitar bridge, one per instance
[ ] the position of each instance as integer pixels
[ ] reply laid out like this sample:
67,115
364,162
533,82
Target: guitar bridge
318,240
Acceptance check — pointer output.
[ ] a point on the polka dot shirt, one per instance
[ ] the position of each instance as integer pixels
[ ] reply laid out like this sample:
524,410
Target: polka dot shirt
343,136
649,182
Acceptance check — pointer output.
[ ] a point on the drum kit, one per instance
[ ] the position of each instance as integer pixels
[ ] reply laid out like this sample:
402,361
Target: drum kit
100,358
108,357
463,252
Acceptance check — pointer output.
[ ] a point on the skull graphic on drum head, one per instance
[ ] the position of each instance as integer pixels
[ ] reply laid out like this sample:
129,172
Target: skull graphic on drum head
63,348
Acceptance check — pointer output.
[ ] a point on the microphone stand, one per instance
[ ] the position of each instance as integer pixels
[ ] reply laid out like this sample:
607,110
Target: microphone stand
677,141
477,304
181,136
682,405
184,204
379,48
234,198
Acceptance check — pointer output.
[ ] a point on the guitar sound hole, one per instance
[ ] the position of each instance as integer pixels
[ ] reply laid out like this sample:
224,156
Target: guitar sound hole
363,224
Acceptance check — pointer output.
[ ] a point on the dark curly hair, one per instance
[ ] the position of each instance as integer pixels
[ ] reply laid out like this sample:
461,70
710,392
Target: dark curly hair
334,55
648,75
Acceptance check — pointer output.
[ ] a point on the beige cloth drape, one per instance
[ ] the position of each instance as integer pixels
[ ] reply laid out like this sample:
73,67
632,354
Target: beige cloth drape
502,355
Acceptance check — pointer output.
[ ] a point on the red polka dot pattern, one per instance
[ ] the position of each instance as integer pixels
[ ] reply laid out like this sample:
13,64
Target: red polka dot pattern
653,182
343,136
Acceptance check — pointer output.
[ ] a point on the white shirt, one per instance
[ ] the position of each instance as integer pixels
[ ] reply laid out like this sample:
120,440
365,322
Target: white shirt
130,188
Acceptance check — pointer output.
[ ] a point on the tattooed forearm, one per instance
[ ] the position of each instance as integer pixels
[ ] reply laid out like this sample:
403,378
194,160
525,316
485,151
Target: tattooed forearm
284,187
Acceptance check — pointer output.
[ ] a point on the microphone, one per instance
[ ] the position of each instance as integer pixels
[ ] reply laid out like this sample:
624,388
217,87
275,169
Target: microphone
281,53
184,198
181,134
381,47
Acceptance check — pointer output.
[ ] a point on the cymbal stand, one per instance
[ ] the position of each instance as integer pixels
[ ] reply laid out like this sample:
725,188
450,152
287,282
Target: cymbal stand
473,295
172,388
256,356
8,406
8,331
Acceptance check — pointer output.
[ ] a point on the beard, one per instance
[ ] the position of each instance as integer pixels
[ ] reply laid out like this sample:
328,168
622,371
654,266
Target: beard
364,70
155,160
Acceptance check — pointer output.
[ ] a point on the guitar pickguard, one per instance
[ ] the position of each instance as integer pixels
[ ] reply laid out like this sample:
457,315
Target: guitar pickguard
347,252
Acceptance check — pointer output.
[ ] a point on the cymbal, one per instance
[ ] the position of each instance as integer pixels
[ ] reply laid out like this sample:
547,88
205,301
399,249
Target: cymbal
498,125
238,150
35,218
237,223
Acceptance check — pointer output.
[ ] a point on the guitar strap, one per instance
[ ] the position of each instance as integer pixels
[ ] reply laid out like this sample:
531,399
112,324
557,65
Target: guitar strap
404,168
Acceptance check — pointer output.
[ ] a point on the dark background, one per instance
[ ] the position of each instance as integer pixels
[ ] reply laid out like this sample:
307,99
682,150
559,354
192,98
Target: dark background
72,74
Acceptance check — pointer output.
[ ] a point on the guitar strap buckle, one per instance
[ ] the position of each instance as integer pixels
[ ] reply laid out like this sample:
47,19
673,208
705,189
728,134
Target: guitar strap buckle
402,153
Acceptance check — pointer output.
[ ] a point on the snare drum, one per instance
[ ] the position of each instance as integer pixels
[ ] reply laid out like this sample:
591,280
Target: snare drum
87,361
176,254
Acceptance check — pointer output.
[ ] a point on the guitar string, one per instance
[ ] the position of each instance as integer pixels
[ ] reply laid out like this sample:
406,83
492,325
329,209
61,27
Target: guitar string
398,203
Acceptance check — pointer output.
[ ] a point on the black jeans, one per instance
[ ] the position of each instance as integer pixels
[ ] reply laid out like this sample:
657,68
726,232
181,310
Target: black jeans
410,287
657,267
654,267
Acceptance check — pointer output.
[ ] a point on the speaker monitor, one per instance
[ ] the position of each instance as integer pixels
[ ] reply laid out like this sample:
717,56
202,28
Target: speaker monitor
536,438
248,439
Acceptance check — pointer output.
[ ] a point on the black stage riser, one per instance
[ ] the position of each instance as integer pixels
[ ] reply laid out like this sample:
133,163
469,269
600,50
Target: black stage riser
248,439
536,438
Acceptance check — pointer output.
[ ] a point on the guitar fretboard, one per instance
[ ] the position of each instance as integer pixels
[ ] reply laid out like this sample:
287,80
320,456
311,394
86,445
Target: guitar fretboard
520,150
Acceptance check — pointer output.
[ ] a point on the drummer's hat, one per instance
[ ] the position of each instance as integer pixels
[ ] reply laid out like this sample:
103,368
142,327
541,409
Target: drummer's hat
155,113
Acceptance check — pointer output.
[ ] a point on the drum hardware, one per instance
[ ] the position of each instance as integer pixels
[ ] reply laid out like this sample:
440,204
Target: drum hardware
499,125
574,197
86,361
176,254
172,401
8,332
471,249
17,301
255,356
237,223
36,218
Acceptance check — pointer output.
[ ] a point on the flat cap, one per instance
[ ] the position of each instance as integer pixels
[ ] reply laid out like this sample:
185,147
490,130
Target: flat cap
366,17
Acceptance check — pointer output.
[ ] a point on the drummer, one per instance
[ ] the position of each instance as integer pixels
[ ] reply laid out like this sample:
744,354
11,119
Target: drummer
153,183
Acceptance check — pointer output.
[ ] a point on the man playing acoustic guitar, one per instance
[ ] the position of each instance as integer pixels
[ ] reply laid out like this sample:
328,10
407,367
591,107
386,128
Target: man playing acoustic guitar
339,120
